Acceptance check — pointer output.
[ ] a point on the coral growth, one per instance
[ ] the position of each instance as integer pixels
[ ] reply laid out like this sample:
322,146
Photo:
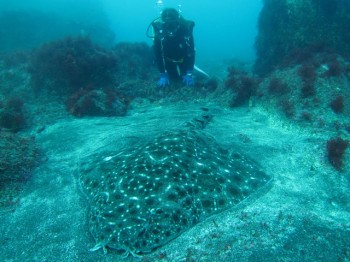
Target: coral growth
336,148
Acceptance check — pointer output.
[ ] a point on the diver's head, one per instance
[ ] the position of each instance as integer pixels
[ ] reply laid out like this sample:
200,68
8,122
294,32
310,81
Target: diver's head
170,15
171,20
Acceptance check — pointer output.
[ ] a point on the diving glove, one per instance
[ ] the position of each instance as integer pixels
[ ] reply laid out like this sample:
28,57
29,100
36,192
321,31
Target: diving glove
188,79
164,80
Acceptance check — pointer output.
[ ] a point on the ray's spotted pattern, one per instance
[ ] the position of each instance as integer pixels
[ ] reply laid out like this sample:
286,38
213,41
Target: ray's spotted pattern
148,195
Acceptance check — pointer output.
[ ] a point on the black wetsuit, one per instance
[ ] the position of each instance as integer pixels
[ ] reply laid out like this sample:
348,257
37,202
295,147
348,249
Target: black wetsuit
174,49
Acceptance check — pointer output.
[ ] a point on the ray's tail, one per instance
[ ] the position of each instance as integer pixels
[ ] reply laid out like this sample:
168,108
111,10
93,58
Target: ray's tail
200,122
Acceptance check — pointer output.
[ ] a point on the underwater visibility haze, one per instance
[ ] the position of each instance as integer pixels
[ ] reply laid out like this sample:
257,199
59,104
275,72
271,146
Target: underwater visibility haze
225,30
105,156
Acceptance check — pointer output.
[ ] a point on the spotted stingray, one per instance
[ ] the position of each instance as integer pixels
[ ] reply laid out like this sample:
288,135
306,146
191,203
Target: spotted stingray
149,194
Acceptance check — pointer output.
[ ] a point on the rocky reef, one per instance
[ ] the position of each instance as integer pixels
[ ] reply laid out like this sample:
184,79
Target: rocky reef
285,26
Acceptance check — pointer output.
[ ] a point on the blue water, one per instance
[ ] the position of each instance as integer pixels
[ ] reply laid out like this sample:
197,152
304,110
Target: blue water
224,29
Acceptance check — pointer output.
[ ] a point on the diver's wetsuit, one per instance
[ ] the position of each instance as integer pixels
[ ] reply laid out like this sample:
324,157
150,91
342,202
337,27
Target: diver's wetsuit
174,48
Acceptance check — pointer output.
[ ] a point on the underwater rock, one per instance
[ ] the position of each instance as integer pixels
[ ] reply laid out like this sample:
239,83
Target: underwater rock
148,194
286,27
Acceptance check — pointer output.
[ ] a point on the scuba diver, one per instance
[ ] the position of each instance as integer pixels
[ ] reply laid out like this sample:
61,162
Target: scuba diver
174,47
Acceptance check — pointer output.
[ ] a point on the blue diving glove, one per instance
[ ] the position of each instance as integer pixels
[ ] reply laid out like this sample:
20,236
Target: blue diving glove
164,80
188,79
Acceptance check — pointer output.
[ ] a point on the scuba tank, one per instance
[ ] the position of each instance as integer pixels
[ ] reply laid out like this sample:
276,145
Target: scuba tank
157,24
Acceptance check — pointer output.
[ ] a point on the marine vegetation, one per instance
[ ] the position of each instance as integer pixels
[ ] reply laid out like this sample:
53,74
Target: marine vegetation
336,148
97,102
67,65
277,87
311,91
337,104
287,106
242,85
334,69
92,80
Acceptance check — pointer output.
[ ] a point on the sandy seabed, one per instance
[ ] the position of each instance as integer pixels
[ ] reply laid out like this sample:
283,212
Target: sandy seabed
304,215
